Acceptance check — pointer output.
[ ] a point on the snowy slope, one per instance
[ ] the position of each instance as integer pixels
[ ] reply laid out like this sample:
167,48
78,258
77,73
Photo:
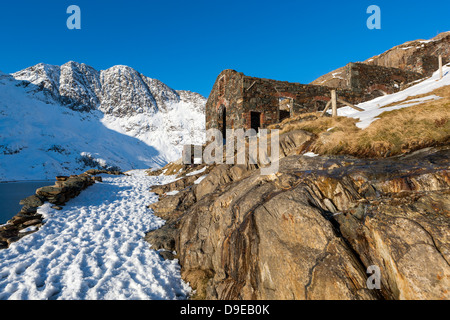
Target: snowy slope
373,108
63,120
94,249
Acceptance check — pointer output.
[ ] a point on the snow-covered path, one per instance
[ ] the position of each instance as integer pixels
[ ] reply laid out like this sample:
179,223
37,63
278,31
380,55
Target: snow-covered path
94,249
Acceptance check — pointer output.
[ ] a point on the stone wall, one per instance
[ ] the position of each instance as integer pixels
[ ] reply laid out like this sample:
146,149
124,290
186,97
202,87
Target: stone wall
239,101
373,81
263,95
236,96
28,220
226,94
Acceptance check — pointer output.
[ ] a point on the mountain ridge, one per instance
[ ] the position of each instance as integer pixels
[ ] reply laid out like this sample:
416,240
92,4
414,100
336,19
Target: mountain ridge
417,56
83,88
60,120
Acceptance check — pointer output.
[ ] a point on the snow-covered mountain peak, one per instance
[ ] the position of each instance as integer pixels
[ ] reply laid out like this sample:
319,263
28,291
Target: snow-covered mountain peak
119,90
73,64
79,86
196,99
45,77
124,92
59,120
121,68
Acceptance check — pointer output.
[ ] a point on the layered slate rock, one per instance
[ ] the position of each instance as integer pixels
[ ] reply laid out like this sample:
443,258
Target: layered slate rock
312,230
413,57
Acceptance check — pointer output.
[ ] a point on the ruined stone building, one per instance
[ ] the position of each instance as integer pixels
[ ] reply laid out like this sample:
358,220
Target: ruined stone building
240,101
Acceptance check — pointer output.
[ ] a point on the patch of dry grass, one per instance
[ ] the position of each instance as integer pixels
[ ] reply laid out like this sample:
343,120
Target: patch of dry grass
295,119
410,128
322,124
398,131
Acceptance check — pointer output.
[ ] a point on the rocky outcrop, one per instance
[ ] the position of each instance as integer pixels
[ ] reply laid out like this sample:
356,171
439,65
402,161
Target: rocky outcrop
419,56
65,188
408,238
312,230
119,90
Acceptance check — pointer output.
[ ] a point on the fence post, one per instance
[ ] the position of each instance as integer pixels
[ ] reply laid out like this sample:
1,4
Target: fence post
441,72
334,103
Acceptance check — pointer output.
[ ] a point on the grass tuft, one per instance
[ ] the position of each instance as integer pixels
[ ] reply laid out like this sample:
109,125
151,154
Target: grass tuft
396,132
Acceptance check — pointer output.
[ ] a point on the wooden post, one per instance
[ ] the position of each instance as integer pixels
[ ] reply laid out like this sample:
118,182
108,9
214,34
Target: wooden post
349,104
326,108
441,72
334,103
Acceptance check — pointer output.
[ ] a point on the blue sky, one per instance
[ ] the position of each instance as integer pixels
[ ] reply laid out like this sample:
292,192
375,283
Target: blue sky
186,44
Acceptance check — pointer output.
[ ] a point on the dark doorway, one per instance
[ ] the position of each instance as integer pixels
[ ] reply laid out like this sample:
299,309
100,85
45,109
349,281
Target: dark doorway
284,108
255,120
284,114
222,123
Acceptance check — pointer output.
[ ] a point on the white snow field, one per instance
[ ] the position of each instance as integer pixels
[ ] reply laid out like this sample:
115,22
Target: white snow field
40,138
373,108
94,249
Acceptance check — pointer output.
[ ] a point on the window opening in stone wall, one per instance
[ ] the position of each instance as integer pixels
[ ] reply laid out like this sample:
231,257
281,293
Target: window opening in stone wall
285,107
255,120
222,117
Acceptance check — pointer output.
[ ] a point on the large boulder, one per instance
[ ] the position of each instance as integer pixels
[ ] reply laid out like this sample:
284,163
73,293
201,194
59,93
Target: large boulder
313,230
409,238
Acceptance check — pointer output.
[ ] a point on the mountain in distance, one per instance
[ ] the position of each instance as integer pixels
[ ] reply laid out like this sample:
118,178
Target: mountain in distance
58,120
417,56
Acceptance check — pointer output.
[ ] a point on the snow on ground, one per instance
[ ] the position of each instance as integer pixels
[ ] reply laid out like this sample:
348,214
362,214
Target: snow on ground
310,155
94,249
166,131
373,108
193,173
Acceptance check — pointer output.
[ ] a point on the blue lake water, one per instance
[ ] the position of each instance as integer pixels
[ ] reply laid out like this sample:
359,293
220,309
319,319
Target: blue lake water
12,192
